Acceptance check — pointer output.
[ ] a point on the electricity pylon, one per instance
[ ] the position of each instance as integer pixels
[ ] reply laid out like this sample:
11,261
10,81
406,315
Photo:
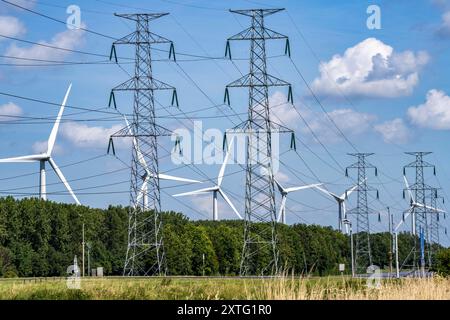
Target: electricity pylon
145,251
434,216
420,213
260,130
363,256
434,224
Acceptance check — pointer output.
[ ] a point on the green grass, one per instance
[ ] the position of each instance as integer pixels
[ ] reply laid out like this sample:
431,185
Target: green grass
222,288
127,288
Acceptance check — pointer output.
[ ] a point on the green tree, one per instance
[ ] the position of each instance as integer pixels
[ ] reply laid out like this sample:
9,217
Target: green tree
443,262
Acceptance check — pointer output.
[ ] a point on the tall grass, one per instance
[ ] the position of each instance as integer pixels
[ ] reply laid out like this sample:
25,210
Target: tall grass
282,288
352,289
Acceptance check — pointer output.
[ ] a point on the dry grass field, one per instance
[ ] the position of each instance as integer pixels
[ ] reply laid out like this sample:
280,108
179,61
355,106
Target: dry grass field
284,288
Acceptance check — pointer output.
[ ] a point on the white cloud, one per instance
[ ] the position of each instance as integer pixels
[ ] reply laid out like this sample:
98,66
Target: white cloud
25,3
41,147
68,39
350,122
370,69
394,131
84,136
11,27
281,111
434,113
9,112
444,29
281,177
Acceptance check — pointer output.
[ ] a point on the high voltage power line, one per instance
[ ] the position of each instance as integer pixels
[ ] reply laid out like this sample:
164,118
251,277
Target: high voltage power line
184,74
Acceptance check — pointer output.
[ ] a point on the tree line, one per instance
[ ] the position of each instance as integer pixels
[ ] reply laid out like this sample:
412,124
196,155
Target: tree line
40,238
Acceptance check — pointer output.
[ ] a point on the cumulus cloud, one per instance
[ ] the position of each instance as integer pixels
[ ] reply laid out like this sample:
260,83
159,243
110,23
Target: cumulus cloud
281,111
68,39
84,136
9,112
394,131
444,29
11,27
434,113
349,121
370,69
281,177
25,3
352,123
41,147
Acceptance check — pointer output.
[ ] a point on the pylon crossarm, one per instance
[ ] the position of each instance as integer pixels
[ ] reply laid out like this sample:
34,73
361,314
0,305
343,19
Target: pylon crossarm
355,211
139,16
279,128
135,39
250,34
251,12
136,84
256,80
157,131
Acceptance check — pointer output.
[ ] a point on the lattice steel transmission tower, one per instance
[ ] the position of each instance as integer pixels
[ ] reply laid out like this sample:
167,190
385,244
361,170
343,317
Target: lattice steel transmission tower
419,214
363,256
434,218
434,224
145,251
260,131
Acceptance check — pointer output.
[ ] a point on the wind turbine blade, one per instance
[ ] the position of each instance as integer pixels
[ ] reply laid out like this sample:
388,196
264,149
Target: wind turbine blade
408,213
428,207
409,190
225,197
331,194
141,191
224,164
162,176
30,158
282,207
63,180
348,192
139,154
303,187
52,138
200,191
280,187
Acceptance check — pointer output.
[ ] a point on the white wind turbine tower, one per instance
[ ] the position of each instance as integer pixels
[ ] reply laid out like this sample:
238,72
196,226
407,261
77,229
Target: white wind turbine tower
143,191
342,211
216,189
47,157
284,193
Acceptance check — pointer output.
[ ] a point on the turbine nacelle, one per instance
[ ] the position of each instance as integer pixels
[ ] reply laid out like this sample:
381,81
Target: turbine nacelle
342,210
215,190
148,174
284,193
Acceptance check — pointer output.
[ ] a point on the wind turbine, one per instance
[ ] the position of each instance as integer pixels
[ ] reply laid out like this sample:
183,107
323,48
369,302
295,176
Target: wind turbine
284,192
342,211
414,204
408,212
47,157
148,174
216,189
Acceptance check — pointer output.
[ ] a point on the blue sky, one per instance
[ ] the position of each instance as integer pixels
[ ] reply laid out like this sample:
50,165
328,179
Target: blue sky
387,91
